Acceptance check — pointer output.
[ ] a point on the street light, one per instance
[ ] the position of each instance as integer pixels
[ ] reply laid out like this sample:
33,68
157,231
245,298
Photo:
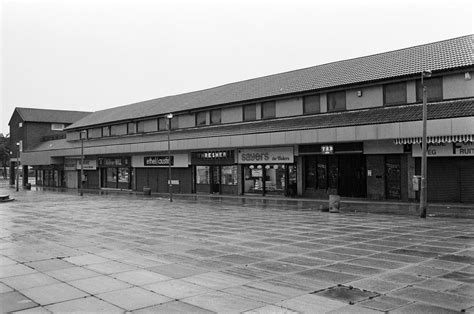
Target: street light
169,116
424,149
17,164
82,136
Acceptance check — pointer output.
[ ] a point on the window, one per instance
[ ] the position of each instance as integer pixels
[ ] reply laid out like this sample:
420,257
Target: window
202,175
174,123
395,94
201,118
140,126
216,116
131,128
106,131
337,101
162,124
434,87
268,110
250,112
57,126
311,104
229,175
20,125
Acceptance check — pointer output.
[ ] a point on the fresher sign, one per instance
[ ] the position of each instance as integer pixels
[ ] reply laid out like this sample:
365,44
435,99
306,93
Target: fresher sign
462,149
281,155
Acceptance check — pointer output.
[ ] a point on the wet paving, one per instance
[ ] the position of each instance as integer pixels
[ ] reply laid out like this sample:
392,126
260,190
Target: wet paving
60,252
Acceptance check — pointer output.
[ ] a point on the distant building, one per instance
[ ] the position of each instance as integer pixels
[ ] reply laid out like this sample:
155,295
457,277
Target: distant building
351,128
30,127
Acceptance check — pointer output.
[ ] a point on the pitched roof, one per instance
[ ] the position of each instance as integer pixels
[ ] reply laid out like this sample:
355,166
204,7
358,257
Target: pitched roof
50,115
443,55
381,115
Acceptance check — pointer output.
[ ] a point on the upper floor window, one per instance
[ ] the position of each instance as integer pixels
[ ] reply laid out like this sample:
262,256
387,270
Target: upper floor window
131,128
337,101
311,104
174,123
268,110
395,94
201,118
106,131
250,112
216,116
434,88
140,126
57,126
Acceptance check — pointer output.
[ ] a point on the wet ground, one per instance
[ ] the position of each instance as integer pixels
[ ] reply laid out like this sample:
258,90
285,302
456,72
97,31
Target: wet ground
60,252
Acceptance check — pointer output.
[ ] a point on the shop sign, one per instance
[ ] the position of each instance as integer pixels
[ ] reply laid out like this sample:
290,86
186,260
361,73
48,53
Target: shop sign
70,164
113,162
87,165
158,161
460,149
266,155
220,157
327,149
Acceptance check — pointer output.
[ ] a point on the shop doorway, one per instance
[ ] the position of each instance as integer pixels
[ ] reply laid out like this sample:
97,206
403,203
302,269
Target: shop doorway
216,179
393,182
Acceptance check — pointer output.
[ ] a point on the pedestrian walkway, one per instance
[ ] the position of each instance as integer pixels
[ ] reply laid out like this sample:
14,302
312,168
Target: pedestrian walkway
60,252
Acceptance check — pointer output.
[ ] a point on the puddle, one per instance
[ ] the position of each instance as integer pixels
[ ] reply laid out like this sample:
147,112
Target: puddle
347,294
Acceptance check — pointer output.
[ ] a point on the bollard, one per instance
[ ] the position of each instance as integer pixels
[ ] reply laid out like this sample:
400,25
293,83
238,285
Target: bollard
334,203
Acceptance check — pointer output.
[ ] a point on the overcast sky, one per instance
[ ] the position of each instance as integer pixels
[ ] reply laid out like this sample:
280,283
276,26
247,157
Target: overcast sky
95,54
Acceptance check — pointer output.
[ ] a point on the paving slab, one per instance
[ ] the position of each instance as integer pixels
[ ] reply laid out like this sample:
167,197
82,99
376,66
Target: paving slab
177,289
99,284
29,281
15,301
53,293
310,303
133,298
84,305
222,302
173,307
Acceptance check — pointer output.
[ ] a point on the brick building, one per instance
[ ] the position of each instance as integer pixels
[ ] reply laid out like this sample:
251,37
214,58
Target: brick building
29,127
351,128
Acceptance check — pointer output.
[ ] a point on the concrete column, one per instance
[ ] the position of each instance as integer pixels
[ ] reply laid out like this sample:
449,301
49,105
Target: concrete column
411,173
299,175
25,175
240,180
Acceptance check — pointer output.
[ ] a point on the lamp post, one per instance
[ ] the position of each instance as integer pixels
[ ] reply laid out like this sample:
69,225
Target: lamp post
17,165
424,149
82,137
169,116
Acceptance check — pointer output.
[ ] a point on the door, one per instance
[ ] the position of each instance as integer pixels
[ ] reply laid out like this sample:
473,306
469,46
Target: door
215,179
351,176
393,177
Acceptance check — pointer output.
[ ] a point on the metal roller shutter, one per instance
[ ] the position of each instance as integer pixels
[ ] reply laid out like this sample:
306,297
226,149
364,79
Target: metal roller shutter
466,172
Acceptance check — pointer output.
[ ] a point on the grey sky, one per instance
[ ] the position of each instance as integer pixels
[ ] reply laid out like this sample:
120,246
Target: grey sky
97,54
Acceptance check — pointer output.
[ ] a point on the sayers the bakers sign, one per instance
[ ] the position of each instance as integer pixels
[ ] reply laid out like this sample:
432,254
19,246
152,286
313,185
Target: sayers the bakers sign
281,155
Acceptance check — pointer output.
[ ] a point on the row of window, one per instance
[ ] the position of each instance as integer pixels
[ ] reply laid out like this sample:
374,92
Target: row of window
393,94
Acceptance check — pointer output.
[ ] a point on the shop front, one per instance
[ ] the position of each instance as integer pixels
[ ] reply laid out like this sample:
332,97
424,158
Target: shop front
215,172
115,173
51,175
72,172
152,171
268,171
450,171
334,169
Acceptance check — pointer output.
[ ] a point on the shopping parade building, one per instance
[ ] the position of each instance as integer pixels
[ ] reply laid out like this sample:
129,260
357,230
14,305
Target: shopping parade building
351,128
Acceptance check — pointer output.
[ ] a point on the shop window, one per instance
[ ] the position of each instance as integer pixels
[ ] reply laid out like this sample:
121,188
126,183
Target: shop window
310,172
275,179
253,179
131,128
105,131
229,175
311,104
268,110
250,112
216,116
202,175
322,172
201,118
336,101
395,94
434,87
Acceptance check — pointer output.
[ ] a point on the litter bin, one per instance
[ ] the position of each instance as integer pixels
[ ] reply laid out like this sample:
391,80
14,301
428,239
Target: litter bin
146,190
334,203
28,186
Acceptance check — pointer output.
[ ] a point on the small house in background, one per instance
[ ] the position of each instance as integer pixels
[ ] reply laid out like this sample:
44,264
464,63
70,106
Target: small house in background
30,127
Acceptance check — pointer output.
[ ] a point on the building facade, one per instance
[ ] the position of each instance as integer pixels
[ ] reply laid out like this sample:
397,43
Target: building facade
351,128
29,128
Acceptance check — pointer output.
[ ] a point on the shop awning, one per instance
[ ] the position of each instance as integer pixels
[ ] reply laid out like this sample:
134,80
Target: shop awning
436,139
